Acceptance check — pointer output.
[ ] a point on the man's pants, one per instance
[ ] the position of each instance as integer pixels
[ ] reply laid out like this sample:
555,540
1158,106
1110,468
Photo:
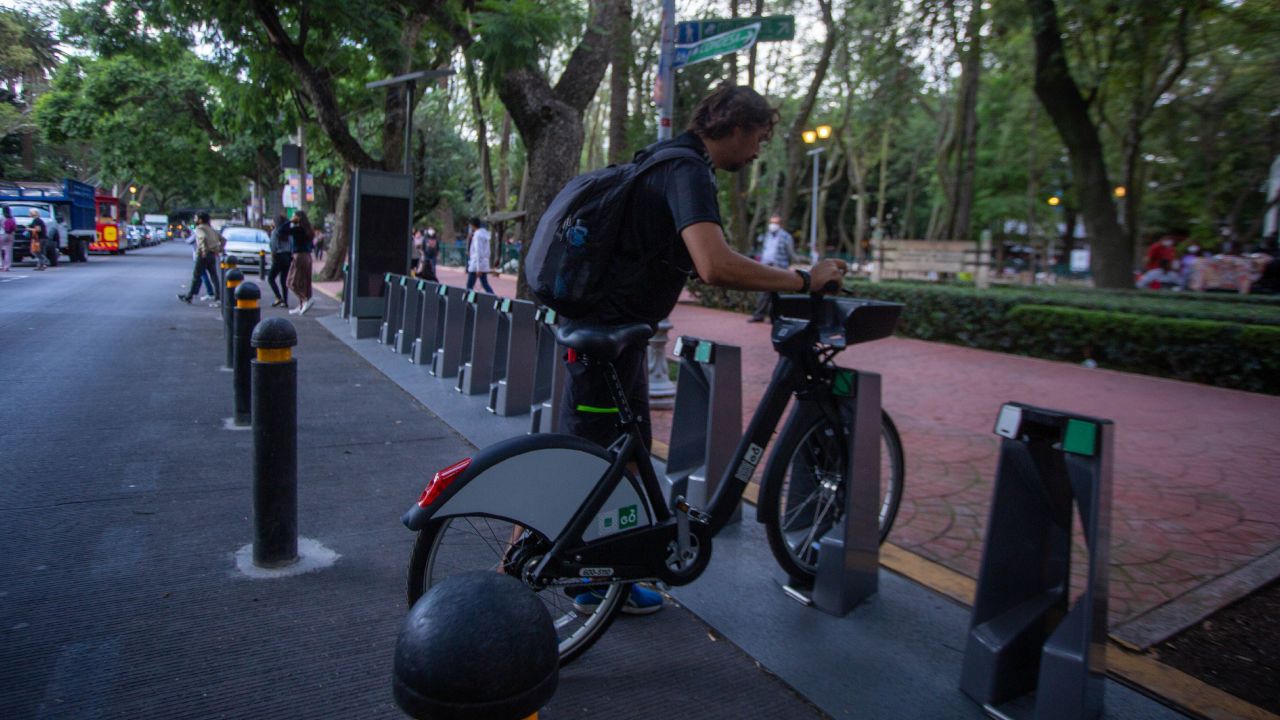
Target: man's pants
587,409
208,262
484,280
280,263
762,306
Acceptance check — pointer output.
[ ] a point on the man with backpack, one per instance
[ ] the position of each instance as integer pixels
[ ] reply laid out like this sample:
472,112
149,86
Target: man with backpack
655,223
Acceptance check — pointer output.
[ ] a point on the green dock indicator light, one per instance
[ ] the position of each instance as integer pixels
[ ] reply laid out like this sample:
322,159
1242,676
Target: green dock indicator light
703,352
1080,438
842,384
551,317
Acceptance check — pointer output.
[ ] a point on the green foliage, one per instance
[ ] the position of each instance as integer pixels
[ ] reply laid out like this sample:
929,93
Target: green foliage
513,34
1206,351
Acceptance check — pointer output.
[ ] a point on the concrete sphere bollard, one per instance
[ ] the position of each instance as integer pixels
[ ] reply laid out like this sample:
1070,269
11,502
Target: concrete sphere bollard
478,645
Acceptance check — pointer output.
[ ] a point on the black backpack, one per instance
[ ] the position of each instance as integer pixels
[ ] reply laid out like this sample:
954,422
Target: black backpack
569,255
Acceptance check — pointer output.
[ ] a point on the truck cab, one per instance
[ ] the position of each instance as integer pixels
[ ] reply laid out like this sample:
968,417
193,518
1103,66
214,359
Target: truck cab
108,231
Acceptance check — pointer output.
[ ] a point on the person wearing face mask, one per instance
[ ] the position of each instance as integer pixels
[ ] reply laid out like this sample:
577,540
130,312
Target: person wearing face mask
777,248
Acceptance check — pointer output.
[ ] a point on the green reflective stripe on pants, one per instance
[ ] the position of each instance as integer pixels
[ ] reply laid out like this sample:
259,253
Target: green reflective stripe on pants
590,409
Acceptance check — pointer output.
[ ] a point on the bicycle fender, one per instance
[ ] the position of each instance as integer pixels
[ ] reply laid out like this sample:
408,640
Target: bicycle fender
538,481
803,413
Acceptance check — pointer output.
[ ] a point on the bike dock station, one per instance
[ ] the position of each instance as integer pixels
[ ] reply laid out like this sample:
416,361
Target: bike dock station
448,355
1023,635
706,421
479,341
430,318
410,307
392,310
904,643
511,392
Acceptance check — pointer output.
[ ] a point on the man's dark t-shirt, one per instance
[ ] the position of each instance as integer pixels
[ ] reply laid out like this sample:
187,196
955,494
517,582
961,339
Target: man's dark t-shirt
38,230
651,263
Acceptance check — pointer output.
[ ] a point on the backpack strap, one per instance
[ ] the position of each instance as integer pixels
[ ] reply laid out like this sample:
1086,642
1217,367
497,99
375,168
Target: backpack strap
668,153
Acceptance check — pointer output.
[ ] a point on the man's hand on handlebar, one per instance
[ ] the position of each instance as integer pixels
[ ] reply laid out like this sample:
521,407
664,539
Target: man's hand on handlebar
827,275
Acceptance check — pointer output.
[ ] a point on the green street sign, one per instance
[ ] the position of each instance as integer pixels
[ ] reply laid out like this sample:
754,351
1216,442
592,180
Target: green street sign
772,28
721,44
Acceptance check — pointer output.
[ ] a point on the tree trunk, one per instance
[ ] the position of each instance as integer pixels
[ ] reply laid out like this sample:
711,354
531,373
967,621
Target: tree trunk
394,106
482,135
959,160
794,144
339,244
884,180
1112,254
504,164
550,119
620,58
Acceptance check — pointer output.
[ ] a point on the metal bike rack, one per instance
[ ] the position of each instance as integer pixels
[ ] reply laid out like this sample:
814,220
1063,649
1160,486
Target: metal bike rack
393,310
345,311
409,309
475,373
512,387
707,420
548,375
849,554
453,321
430,318
1023,637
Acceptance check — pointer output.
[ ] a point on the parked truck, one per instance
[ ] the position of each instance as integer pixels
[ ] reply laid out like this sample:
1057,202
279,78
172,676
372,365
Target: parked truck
109,225
69,204
158,226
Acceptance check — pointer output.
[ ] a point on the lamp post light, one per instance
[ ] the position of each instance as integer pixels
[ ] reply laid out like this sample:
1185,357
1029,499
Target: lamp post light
822,132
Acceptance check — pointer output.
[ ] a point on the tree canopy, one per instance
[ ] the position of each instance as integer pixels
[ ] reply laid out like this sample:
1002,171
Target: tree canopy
945,124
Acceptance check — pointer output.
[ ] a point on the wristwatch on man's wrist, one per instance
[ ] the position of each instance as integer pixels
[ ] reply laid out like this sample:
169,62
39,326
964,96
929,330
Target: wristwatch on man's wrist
804,277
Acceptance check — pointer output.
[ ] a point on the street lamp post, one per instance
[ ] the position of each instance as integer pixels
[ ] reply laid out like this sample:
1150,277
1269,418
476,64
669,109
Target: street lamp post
822,132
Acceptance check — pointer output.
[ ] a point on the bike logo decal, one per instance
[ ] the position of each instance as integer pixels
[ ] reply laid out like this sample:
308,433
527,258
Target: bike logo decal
749,463
628,517
596,572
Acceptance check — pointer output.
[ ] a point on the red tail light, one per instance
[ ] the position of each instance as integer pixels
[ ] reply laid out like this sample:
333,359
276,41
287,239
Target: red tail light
443,479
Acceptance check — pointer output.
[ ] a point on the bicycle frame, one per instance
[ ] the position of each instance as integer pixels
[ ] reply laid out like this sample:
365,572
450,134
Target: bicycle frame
644,553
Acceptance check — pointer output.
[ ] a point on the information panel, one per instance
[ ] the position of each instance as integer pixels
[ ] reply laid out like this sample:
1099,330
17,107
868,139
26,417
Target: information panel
382,212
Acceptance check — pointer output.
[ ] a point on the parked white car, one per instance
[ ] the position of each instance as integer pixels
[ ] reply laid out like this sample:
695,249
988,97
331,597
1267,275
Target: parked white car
244,243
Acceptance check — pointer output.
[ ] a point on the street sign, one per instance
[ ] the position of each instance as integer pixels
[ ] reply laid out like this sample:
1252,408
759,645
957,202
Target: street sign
772,28
717,45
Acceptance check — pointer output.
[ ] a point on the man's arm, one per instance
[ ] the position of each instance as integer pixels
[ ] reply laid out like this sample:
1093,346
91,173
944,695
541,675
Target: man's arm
718,264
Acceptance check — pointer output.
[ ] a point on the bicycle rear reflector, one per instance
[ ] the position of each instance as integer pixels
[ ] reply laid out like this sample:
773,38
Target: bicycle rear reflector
442,480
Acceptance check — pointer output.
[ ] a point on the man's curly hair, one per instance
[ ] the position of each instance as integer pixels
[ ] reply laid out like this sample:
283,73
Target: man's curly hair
728,107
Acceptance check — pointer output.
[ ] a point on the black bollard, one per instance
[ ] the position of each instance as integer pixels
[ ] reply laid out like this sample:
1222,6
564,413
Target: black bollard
275,444
224,265
234,278
478,645
247,314
262,266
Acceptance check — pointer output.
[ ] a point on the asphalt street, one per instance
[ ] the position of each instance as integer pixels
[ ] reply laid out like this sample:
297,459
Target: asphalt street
123,501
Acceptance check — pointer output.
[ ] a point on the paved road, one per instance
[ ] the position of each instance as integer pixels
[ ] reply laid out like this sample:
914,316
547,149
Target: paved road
123,501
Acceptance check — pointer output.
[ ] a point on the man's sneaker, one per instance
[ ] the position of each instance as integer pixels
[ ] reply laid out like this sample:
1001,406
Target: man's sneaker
640,601
206,298
184,298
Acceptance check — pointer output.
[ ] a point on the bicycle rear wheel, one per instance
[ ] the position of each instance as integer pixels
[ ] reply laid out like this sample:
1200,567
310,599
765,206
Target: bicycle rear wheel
810,496
466,543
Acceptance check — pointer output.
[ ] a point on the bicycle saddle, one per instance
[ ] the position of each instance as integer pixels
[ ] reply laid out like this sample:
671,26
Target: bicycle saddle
602,342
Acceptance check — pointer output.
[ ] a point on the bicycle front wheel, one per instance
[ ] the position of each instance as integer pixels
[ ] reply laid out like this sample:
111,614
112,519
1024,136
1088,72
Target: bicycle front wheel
466,543
809,500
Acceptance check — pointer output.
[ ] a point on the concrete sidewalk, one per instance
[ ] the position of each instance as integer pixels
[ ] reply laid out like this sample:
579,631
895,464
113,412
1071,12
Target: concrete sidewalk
1196,511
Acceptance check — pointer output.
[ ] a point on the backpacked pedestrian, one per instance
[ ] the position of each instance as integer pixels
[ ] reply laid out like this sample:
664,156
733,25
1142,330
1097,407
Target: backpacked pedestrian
281,260
39,237
427,262
478,256
777,247
7,230
209,244
303,238
210,282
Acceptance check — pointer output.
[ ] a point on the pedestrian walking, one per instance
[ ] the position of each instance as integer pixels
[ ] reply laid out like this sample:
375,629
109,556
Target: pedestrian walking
303,238
209,244
281,260
7,231
206,279
777,247
427,262
318,245
478,256
39,236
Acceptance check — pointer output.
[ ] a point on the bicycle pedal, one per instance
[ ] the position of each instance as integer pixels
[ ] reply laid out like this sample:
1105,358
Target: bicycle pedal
692,512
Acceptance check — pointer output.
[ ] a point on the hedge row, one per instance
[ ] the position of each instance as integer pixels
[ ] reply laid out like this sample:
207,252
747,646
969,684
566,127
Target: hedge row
1246,357
1212,351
